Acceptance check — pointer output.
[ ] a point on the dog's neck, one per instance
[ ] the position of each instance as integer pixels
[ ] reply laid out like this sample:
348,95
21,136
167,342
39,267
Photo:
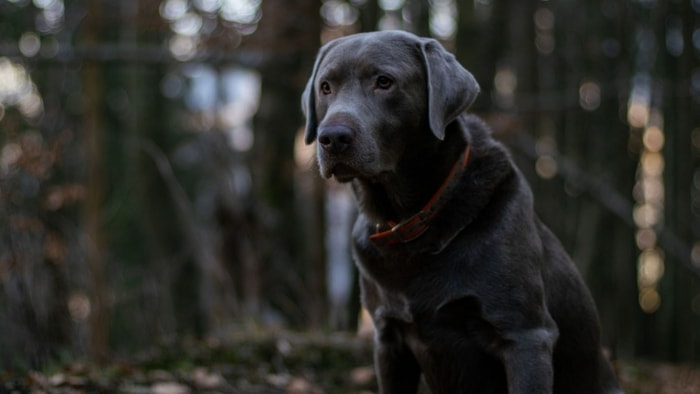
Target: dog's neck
396,196
488,173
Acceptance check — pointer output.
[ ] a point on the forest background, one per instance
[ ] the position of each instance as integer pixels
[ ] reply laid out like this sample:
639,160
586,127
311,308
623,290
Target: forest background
154,186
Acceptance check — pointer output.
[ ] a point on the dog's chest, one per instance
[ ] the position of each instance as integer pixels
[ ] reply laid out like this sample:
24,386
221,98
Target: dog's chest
392,306
401,289
394,268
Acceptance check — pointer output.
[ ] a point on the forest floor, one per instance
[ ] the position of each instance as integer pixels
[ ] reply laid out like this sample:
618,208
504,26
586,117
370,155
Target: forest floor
282,362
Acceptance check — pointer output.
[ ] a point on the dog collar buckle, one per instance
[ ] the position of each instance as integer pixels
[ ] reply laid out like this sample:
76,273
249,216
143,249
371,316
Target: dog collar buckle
412,228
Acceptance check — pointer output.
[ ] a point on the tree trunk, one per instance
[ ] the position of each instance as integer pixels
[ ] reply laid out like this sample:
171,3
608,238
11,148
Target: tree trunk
94,199
294,276
369,15
680,115
418,17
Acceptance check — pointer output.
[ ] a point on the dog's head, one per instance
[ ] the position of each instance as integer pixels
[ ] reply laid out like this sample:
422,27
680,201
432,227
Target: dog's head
373,94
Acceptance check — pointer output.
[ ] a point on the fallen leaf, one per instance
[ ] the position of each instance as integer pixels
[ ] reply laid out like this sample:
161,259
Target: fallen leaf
57,379
169,388
159,375
361,376
301,385
205,380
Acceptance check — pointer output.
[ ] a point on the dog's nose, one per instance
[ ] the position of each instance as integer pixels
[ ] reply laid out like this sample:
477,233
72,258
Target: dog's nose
335,139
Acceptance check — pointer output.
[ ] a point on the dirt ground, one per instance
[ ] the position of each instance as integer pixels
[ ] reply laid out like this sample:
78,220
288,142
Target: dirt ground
288,363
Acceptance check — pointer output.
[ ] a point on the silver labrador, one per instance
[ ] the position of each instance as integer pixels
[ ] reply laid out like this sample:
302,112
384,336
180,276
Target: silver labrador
465,285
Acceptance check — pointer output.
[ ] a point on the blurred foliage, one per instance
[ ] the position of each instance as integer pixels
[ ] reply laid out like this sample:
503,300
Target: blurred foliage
253,363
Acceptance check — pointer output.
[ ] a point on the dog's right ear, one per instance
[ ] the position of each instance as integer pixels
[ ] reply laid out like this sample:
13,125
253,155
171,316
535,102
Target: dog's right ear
308,98
451,88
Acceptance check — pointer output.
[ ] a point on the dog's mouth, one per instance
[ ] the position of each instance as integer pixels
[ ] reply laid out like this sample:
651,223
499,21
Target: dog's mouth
342,172
345,168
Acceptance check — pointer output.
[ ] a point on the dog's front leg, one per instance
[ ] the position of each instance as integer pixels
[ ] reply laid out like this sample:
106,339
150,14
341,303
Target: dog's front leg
396,366
527,356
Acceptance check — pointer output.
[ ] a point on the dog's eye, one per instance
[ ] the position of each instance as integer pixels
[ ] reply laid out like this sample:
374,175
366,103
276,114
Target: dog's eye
325,88
384,82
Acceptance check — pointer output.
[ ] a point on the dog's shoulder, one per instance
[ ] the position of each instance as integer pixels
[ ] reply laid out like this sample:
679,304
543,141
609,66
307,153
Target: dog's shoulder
480,136
490,163
491,184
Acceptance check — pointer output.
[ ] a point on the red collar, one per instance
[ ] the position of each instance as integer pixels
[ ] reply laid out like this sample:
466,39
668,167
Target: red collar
413,227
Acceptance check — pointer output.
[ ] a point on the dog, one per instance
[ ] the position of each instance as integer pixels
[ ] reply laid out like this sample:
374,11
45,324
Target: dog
464,284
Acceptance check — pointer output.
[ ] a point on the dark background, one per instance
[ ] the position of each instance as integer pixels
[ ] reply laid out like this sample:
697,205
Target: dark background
153,186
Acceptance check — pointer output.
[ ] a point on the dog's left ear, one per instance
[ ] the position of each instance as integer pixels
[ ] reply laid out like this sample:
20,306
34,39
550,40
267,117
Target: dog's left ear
308,107
308,98
451,88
